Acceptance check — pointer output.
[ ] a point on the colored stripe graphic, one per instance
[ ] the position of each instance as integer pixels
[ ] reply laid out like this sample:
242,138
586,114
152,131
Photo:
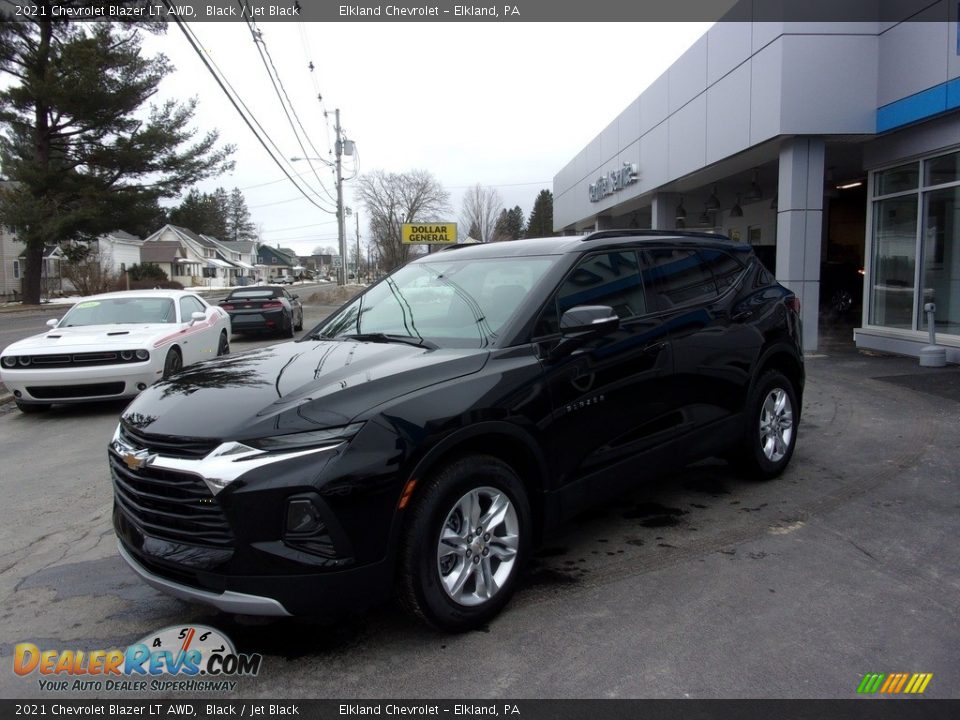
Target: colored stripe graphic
894,683
871,682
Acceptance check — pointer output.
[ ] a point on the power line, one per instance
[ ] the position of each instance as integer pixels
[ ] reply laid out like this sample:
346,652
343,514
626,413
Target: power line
224,84
281,92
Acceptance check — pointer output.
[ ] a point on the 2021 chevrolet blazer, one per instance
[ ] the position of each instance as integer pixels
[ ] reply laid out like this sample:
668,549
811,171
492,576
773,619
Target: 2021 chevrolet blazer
424,436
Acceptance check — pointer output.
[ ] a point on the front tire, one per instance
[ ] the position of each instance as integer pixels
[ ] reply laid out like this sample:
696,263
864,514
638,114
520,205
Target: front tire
771,434
464,544
173,363
223,346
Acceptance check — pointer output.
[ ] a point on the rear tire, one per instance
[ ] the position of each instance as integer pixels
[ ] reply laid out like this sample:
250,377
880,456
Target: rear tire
289,330
31,408
771,432
299,325
452,577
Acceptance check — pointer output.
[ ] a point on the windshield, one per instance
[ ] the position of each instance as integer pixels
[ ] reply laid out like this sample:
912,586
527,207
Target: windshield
121,310
449,303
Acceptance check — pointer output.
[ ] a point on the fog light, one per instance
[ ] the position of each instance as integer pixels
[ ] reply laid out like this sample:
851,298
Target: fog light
141,386
142,355
17,393
9,361
302,518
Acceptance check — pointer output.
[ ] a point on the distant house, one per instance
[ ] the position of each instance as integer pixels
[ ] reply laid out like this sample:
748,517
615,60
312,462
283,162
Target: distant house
278,261
168,255
243,253
120,248
205,261
11,266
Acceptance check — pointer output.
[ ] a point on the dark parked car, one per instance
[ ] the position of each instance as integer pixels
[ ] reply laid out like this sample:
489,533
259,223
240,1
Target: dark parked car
841,287
264,308
426,435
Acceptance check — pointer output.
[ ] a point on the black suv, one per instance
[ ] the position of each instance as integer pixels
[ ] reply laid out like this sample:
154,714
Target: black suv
428,432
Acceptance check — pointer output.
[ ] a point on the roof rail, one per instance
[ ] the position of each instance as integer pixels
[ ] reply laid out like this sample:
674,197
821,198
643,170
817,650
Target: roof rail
607,234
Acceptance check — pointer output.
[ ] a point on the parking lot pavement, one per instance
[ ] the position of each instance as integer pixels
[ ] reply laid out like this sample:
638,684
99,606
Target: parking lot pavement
700,585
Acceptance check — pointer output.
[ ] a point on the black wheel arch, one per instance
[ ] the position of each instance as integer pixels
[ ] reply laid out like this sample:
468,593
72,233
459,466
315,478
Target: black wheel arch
502,440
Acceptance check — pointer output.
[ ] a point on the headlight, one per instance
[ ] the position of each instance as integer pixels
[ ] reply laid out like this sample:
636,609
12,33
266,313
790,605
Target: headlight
142,355
126,355
9,361
312,438
24,360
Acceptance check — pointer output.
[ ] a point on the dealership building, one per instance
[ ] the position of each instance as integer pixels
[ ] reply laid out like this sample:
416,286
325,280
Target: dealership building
833,148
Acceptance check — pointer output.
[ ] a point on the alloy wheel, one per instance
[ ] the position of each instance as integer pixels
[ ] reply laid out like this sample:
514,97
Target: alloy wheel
477,547
776,425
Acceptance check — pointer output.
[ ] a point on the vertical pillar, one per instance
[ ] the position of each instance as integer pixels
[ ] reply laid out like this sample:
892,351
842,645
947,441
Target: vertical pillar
664,211
799,227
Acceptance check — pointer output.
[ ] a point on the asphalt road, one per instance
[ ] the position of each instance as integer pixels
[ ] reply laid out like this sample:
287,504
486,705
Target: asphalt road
698,585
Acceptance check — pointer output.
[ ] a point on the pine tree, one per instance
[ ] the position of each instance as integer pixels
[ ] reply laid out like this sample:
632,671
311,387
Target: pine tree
540,223
239,225
83,156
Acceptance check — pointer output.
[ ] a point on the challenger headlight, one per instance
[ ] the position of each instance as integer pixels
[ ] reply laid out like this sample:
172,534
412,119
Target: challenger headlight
142,355
9,361
310,439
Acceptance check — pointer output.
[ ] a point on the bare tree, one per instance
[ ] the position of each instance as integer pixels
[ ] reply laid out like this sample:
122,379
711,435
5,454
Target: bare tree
392,199
481,207
88,270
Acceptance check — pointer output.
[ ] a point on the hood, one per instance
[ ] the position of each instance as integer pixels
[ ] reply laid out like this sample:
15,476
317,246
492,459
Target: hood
89,338
292,387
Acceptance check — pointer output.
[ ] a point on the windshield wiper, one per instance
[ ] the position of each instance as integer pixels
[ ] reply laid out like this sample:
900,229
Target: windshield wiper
385,338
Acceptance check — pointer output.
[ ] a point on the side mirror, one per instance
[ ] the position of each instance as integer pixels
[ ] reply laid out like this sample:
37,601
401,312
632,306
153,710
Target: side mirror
596,320
583,323
52,323
197,317
295,297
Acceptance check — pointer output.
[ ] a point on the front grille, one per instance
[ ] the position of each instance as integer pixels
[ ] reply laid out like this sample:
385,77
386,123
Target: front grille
54,392
170,505
167,445
80,359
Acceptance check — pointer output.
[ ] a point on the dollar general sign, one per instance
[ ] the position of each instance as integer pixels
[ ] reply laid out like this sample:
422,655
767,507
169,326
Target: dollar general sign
436,233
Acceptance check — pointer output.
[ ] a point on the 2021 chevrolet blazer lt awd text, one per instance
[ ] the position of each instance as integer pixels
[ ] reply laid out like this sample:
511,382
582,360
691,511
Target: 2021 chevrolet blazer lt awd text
428,433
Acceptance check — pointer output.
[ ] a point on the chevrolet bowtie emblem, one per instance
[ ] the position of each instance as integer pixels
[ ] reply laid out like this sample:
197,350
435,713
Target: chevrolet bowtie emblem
136,460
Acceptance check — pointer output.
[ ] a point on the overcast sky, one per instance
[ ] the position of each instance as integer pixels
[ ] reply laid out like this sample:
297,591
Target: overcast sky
503,105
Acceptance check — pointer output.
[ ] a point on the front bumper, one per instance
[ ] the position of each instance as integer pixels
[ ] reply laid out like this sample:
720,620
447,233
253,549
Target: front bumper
227,601
80,384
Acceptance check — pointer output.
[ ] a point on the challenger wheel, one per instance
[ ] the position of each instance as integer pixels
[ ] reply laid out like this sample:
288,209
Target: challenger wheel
223,347
465,543
173,363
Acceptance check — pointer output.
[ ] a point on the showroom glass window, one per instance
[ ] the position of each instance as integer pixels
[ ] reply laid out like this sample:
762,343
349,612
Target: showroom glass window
916,244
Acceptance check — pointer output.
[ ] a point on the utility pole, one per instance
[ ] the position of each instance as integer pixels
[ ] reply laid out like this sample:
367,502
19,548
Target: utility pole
342,275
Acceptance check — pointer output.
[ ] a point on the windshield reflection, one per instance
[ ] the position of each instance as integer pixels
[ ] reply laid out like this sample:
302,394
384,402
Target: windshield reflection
449,303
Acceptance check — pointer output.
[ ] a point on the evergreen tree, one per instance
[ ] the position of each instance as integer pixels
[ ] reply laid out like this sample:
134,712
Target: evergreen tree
203,213
83,156
540,223
509,225
239,225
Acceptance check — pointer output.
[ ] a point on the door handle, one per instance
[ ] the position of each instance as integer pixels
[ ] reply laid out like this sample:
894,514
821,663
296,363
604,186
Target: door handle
654,347
742,316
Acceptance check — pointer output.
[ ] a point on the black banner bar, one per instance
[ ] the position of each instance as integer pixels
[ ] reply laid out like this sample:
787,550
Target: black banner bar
856,709
403,11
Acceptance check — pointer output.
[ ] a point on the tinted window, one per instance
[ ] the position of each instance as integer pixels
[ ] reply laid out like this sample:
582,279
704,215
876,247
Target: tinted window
188,306
725,268
678,277
611,279
255,293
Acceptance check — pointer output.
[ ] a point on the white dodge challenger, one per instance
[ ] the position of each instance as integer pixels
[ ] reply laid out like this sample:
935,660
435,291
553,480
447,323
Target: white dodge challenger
112,346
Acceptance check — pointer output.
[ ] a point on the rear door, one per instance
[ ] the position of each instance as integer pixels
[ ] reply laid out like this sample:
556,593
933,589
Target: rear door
714,349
